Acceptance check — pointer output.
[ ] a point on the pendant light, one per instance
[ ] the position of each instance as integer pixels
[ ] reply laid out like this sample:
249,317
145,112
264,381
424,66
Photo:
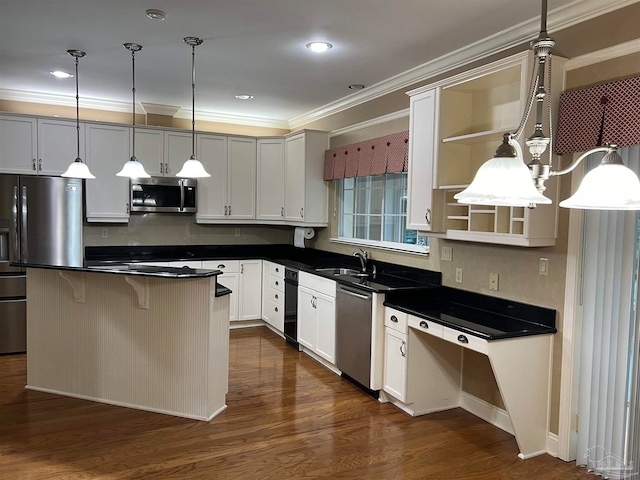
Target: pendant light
77,169
505,180
192,168
133,168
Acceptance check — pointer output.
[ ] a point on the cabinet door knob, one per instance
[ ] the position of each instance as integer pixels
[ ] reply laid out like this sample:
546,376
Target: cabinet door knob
282,211
34,164
229,209
127,206
394,318
166,168
276,296
302,212
277,269
424,324
463,339
403,350
427,216
161,167
276,309
242,268
39,164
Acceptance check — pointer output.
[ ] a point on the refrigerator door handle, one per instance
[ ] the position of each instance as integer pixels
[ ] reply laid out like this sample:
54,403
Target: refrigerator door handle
13,242
24,254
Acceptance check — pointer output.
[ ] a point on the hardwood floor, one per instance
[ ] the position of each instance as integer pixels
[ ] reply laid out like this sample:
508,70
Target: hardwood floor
287,417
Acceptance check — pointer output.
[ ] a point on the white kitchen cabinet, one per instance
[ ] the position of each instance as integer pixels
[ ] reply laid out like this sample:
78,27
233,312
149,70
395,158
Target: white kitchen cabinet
150,150
395,364
250,282
18,145
422,162
107,196
229,278
317,315
212,191
178,147
273,294
40,146
186,263
270,180
230,193
266,280
305,188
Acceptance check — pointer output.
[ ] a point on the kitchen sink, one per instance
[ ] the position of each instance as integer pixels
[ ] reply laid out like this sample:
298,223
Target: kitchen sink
352,272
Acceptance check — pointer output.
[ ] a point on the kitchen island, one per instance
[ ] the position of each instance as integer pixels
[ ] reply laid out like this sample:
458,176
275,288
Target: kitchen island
155,339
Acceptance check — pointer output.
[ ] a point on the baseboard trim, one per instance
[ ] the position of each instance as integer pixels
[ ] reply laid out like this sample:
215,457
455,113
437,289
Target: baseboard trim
246,324
486,411
552,444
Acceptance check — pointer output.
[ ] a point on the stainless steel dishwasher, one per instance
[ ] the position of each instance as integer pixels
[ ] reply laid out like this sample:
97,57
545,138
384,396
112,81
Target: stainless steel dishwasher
353,333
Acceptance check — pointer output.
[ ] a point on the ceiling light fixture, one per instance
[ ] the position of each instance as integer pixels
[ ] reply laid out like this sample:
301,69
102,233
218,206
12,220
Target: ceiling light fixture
155,14
356,86
192,168
77,169
244,96
319,47
61,74
505,180
132,167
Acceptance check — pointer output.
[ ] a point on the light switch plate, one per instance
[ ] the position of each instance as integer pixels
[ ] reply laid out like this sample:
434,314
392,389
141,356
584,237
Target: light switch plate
447,254
458,275
493,281
543,268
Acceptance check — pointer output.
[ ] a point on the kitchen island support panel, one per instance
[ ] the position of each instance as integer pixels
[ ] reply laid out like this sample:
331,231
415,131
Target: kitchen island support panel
170,358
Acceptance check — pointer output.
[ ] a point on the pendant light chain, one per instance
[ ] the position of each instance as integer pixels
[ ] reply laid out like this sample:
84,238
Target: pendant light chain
133,109
193,100
77,109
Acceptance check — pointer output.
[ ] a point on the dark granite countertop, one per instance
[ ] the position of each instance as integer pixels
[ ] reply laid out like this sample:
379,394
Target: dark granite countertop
132,269
480,315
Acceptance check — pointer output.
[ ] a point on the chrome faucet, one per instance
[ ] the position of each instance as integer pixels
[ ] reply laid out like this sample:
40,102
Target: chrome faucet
362,255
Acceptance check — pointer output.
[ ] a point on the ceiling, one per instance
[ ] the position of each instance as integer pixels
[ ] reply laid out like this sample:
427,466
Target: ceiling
255,47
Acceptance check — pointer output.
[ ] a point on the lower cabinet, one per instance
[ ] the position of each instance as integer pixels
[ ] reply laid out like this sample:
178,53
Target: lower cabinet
273,294
244,278
317,315
395,364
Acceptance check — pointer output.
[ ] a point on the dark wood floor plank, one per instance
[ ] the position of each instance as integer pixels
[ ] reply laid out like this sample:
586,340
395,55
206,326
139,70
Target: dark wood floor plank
287,418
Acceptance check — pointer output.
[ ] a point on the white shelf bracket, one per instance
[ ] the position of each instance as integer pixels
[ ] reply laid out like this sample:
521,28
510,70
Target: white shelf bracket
141,287
76,280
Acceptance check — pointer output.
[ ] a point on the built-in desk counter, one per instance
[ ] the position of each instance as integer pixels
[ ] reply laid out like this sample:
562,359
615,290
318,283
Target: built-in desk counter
153,339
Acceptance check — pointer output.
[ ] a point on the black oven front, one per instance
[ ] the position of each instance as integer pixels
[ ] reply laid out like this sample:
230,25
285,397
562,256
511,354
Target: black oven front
291,307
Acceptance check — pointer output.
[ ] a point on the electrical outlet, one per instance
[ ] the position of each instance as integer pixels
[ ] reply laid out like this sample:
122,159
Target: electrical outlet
105,233
447,254
458,275
237,232
543,268
493,281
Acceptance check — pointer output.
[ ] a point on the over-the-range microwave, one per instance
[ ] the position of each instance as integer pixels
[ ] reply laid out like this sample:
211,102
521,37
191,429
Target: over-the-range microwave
163,194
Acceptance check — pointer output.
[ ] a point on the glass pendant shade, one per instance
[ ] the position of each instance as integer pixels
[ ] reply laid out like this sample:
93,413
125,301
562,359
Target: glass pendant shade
78,169
607,187
192,168
503,181
133,169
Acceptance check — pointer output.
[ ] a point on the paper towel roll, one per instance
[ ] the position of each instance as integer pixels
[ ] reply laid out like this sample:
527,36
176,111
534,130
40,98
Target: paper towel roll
301,234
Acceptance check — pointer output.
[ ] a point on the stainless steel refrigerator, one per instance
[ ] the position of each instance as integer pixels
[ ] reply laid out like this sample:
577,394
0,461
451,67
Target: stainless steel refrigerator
40,222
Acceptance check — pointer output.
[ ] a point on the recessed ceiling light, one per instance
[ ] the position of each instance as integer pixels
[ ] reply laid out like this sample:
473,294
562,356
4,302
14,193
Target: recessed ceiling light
60,74
156,14
319,47
244,96
356,86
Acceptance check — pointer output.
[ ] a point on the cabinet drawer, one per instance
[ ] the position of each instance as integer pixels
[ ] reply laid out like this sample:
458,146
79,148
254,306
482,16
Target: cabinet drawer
276,283
227,266
276,315
277,270
426,326
465,340
276,296
318,284
395,319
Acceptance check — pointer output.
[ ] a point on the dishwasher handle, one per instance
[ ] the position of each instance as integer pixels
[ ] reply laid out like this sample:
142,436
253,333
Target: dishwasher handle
363,296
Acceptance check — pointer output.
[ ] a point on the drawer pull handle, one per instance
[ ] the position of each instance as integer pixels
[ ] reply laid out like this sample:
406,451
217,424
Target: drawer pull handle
403,350
221,266
424,324
394,318
277,269
463,339
277,283
276,309
276,296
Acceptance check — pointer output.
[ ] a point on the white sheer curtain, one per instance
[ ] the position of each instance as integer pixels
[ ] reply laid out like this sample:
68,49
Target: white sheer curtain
608,328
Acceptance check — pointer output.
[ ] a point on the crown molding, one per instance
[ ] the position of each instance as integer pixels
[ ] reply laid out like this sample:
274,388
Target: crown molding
615,51
574,13
369,123
66,101
234,119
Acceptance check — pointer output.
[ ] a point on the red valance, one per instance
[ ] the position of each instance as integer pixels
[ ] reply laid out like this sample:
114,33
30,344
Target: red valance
581,111
388,154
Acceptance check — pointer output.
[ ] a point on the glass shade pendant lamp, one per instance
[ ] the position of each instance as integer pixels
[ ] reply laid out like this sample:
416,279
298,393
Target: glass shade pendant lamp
506,180
77,169
133,168
192,168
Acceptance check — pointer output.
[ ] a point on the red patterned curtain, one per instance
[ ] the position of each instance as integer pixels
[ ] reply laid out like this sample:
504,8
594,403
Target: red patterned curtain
615,105
388,154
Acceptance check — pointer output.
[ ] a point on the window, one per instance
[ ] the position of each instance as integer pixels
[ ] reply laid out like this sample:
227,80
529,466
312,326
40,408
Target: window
373,211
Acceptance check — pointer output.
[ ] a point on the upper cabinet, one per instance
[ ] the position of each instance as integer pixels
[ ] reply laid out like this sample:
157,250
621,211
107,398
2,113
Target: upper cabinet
38,146
178,147
230,193
270,179
107,196
149,150
305,189
473,110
